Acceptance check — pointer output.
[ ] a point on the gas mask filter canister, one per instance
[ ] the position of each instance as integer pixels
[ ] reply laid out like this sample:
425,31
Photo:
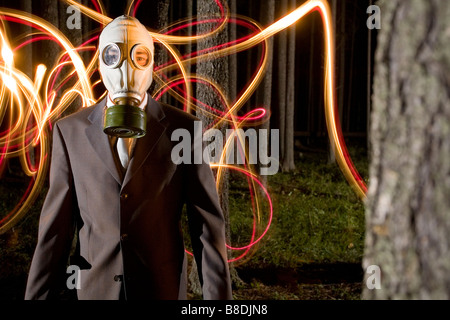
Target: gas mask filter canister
126,68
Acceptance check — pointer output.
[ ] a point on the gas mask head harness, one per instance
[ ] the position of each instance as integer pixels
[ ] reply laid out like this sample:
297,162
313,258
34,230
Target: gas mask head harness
126,68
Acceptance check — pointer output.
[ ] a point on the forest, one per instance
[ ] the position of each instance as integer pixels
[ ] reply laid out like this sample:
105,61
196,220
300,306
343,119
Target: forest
355,115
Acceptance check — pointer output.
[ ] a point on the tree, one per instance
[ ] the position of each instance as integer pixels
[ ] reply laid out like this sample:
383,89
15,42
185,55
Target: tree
288,156
161,21
281,82
215,70
285,87
264,92
408,206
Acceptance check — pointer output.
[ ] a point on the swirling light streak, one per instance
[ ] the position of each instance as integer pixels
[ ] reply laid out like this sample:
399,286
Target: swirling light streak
23,92
103,19
63,41
30,113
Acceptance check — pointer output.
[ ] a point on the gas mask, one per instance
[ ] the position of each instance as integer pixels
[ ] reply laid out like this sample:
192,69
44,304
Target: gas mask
126,68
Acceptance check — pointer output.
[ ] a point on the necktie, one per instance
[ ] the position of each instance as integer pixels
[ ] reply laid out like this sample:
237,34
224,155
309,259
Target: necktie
124,148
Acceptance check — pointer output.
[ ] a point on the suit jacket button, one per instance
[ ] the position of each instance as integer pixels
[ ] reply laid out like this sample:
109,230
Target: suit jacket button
124,237
124,196
118,278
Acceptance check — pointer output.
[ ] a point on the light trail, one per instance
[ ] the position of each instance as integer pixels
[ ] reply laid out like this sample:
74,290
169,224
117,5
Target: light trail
28,106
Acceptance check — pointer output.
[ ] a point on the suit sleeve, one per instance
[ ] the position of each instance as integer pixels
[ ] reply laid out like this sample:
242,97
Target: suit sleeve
56,228
207,231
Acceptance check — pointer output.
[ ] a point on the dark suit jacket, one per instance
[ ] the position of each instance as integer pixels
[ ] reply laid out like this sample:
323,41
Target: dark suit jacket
128,224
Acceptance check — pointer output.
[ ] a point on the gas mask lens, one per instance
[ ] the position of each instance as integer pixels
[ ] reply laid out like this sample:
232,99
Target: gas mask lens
140,56
111,55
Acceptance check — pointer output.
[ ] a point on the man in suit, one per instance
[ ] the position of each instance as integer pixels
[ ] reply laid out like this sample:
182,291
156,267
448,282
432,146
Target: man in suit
124,198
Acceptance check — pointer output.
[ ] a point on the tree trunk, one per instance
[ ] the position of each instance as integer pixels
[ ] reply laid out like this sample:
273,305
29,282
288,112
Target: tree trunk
49,50
190,9
408,207
312,92
288,157
75,36
369,81
156,18
342,55
27,68
162,22
281,77
264,92
352,34
216,70
232,62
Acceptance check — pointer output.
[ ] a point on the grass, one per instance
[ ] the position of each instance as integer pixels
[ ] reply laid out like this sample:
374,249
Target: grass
318,222
312,250
317,217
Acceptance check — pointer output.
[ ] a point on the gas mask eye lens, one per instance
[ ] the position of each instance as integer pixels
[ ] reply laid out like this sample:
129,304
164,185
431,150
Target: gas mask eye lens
140,56
111,55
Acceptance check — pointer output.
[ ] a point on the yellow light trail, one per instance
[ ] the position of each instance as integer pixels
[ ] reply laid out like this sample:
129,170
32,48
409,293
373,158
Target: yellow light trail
27,106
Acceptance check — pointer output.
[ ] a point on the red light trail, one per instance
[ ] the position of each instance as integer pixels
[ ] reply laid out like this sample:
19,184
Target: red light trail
28,106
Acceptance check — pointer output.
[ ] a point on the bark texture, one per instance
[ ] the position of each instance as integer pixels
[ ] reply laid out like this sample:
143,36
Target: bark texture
408,207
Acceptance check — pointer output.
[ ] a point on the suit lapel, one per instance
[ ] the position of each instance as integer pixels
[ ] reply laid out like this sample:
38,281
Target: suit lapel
100,141
146,144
